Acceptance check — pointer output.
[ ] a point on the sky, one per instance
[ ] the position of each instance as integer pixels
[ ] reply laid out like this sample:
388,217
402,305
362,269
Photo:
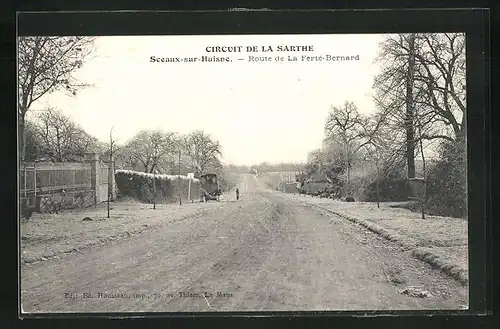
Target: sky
264,111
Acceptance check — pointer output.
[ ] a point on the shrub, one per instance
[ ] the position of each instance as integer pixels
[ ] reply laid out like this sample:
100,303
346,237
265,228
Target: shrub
447,181
355,188
392,185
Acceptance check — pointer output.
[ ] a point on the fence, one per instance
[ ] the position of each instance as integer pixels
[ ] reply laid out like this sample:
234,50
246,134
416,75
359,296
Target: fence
288,187
69,184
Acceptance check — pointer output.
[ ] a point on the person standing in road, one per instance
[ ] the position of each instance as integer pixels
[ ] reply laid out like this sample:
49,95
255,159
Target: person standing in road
237,194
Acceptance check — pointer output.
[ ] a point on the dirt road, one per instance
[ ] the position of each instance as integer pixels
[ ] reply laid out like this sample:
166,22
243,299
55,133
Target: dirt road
262,253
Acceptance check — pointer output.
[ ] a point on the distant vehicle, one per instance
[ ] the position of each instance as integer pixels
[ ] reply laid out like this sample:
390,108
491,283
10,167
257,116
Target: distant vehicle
210,187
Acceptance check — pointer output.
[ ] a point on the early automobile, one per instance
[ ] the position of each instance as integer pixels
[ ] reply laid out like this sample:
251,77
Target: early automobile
209,187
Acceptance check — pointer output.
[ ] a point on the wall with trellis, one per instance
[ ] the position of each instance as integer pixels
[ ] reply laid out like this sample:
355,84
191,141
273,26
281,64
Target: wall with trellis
43,185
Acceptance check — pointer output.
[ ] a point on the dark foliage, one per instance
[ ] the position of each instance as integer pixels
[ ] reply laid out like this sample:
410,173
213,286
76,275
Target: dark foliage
447,181
140,187
392,186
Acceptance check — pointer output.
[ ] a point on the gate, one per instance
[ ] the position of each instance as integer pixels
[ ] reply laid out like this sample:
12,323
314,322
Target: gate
104,187
418,188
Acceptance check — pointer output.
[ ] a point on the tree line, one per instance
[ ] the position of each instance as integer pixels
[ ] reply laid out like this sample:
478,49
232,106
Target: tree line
158,151
49,64
420,108
419,95
53,136
265,167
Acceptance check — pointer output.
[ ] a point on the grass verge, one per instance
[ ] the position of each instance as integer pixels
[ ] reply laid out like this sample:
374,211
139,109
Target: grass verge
439,241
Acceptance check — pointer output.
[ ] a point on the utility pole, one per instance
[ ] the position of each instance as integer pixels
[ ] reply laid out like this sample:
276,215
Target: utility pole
378,179
348,172
179,179
189,190
110,167
154,188
424,192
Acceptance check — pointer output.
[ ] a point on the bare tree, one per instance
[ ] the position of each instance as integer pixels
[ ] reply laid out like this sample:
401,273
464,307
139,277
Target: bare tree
373,153
86,143
34,144
424,75
347,128
56,132
150,148
314,161
47,64
298,167
394,89
61,138
125,158
442,77
203,152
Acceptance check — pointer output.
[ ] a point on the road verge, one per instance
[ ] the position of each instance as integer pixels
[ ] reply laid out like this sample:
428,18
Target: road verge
49,236
421,237
430,257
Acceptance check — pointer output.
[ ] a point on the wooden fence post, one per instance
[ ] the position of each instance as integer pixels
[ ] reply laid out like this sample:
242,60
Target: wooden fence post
93,159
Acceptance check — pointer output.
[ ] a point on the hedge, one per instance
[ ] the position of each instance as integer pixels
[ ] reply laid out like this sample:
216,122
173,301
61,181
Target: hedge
447,181
139,186
393,185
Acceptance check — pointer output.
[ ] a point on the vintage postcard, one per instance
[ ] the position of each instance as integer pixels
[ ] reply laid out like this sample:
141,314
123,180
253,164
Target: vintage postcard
241,173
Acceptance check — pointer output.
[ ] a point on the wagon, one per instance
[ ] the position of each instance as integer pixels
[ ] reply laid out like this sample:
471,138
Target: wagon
209,187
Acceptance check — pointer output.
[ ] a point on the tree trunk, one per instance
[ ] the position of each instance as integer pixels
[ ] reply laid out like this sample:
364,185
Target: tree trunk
424,192
22,135
409,121
22,138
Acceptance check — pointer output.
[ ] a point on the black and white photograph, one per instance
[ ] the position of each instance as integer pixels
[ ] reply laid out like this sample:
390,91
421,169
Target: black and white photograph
242,173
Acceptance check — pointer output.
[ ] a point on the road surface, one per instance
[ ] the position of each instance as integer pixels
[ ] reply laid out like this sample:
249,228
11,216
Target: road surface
261,253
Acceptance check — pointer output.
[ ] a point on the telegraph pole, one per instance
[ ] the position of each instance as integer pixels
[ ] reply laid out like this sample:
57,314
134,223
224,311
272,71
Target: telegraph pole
154,188
110,168
189,190
378,183
179,179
